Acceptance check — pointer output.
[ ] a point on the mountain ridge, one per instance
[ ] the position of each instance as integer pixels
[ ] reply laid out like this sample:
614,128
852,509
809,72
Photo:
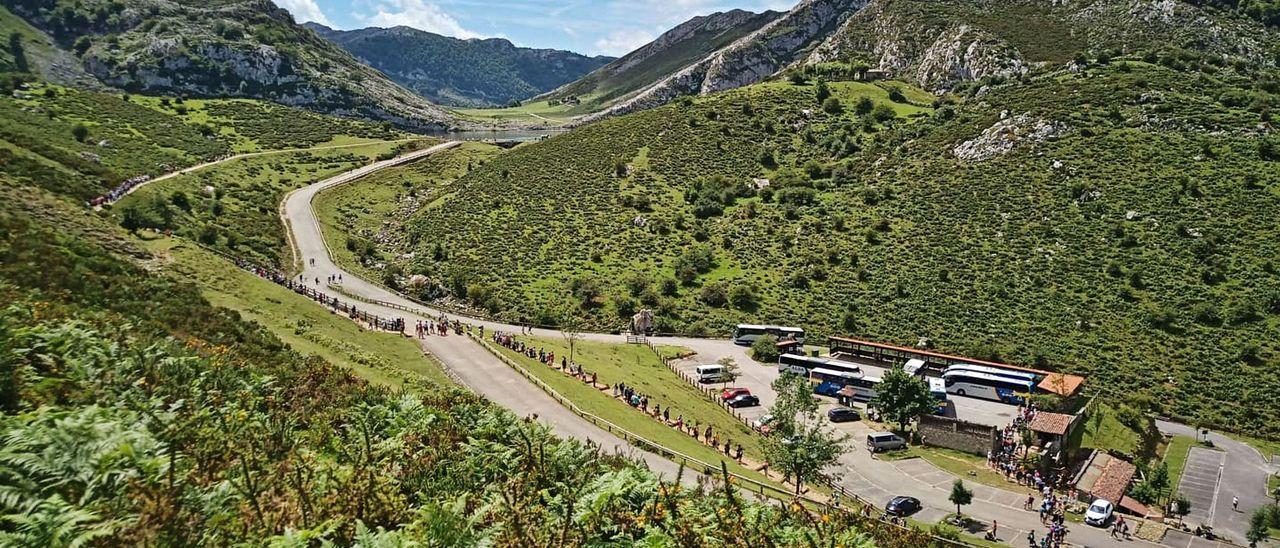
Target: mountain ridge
229,48
477,72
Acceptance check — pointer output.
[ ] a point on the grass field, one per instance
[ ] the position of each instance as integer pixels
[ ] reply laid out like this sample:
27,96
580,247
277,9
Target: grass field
382,358
637,366
1175,457
530,111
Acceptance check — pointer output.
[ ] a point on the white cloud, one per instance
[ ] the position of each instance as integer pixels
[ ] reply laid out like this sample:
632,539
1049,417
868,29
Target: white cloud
304,11
622,42
420,15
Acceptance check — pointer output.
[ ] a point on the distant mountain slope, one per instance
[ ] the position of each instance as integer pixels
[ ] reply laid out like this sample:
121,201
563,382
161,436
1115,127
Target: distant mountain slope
37,54
217,48
674,50
941,44
469,73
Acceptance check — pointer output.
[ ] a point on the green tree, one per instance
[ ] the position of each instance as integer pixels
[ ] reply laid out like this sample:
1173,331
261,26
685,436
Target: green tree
765,349
132,218
822,90
960,495
19,54
742,297
80,132
864,106
1257,528
832,106
902,397
801,447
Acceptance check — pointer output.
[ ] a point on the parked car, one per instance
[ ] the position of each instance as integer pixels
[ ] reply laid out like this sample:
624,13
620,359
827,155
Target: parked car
763,424
730,393
745,400
843,414
885,441
1099,513
902,506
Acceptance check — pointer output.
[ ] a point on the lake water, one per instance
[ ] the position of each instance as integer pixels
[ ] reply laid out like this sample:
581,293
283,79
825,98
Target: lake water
499,134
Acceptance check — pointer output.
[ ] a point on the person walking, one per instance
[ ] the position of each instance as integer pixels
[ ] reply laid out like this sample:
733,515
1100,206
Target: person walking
1235,503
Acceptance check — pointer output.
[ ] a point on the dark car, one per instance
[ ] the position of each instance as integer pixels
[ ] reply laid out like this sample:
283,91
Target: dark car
843,414
902,506
745,400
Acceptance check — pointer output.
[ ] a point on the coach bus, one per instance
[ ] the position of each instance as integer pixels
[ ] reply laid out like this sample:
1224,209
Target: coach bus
1001,372
963,382
802,365
745,334
828,381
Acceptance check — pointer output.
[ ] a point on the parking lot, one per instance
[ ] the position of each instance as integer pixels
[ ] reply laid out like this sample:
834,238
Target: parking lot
1200,482
759,377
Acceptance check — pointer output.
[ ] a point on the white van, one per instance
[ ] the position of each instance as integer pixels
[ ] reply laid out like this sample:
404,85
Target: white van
711,373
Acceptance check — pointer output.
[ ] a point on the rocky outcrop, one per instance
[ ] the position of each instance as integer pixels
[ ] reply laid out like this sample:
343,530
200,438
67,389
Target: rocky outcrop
1008,133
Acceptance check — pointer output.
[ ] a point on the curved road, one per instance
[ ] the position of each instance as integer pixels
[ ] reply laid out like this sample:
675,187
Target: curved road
485,374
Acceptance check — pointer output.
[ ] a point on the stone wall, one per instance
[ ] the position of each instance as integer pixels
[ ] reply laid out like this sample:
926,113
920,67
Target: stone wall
978,439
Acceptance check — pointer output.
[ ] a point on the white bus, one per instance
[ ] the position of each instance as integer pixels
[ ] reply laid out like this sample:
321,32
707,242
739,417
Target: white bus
864,389
938,388
745,334
962,382
1001,372
802,365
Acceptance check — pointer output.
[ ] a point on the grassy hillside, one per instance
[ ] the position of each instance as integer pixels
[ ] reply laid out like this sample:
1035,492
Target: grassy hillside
125,136
365,219
1118,221
235,206
135,412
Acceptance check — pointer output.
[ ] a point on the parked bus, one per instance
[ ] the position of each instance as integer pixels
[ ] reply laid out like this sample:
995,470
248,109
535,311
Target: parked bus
1012,391
802,365
864,388
745,334
827,381
997,371
938,388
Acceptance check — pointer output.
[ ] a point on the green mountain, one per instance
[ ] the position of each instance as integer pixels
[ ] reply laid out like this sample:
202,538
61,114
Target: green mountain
670,52
223,48
1110,212
464,73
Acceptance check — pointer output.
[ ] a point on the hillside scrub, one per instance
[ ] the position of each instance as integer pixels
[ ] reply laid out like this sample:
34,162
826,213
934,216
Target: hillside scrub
1082,241
136,413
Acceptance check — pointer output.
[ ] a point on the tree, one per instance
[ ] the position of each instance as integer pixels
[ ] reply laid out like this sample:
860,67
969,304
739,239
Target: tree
902,397
822,90
1181,507
730,369
864,105
132,218
832,106
960,495
19,54
765,349
570,325
1257,528
801,447
80,132
742,297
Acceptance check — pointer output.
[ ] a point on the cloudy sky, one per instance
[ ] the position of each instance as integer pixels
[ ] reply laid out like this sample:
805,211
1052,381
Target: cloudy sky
594,27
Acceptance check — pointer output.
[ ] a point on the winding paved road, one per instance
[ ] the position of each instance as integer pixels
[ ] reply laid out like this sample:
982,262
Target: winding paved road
870,478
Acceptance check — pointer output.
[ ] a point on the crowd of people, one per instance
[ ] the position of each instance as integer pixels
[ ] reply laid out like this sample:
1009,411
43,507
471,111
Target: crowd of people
119,191
545,357
423,328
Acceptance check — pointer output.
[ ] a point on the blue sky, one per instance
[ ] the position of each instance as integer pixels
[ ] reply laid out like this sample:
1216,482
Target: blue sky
593,27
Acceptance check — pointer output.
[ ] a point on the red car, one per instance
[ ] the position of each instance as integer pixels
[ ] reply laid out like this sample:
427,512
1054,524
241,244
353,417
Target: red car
730,393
